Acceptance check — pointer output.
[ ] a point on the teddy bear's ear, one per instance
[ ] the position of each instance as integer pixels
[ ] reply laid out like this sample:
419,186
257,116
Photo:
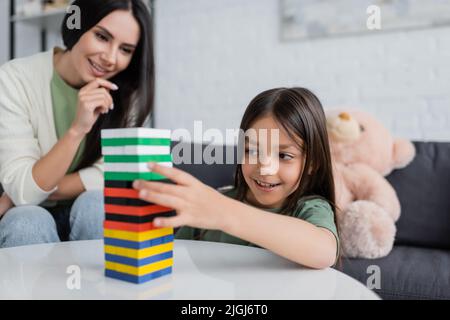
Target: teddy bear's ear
403,153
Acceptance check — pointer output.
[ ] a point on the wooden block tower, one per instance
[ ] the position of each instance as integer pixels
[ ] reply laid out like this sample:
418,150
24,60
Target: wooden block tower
135,251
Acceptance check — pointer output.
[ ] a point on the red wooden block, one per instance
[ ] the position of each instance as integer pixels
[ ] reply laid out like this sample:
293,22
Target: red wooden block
121,193
136,211
125,226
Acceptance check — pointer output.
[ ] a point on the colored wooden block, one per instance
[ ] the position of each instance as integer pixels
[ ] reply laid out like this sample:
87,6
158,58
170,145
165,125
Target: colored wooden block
138,158
134,150
126,226
134,141
136,211
133,176
136,279
135,132
138,245
124,184
138,253
131,166
138,262
126,202
139,271
137,219
119,184
162,240
120,193
138,236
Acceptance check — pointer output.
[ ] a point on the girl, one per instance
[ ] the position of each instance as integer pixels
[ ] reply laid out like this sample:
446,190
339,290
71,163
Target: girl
283,202
52,108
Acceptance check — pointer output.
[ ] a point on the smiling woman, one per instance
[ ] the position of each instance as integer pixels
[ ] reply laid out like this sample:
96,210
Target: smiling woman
53,106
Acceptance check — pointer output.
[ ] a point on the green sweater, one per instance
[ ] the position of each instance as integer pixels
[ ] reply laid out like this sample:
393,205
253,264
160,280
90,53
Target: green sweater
313,210
64,101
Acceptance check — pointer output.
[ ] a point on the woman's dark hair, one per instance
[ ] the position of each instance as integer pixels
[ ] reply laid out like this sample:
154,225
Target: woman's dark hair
299,112
133,102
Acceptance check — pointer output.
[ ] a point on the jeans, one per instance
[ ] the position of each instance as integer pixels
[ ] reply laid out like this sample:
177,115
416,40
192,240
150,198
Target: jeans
83,220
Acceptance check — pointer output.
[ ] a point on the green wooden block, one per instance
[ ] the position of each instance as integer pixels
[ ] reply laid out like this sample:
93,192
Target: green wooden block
137,158
115,142
130,176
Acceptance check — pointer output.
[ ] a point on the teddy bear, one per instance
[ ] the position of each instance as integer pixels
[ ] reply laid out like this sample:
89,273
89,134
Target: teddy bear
363,152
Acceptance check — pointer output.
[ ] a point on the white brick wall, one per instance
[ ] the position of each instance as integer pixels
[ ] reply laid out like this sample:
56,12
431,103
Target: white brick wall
213,56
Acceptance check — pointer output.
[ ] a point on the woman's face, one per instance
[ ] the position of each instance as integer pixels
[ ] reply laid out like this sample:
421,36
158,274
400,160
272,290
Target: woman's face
106,49
272,166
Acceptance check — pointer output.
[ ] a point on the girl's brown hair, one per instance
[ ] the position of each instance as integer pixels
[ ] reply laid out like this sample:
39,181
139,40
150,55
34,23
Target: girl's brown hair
301,114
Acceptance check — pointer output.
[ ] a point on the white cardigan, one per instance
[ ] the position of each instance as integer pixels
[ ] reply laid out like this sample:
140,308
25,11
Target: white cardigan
27,128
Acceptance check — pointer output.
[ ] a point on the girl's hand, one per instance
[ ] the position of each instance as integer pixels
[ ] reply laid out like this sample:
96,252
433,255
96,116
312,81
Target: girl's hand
196,204
5,204
93,99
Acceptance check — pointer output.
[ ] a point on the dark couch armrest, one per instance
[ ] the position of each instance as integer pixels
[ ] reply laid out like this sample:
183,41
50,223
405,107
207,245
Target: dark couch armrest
215,175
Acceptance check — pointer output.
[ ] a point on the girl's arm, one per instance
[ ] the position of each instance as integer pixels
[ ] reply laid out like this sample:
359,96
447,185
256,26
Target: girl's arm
290,237
200,206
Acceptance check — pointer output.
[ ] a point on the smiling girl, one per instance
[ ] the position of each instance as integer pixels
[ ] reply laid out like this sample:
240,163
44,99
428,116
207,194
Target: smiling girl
283,199
52,108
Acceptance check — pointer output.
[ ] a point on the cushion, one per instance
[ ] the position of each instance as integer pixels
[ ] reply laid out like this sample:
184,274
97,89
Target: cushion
406,273
423,188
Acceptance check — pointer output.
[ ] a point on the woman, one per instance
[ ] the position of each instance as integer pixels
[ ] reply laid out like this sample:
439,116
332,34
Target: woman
52,108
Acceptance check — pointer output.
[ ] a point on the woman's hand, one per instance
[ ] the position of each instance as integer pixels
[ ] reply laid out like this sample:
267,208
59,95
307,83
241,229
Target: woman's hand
5,204
93,99
196,204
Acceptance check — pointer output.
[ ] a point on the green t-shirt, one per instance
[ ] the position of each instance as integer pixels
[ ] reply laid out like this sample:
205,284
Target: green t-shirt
316,211
64,104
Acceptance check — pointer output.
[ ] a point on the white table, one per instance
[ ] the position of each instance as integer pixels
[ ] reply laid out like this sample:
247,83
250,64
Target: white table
202,270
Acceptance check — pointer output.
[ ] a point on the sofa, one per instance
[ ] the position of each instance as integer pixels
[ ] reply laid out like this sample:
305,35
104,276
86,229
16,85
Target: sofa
418,267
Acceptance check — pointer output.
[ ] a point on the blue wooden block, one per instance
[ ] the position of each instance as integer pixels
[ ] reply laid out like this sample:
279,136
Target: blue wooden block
140,262
137,279
138,245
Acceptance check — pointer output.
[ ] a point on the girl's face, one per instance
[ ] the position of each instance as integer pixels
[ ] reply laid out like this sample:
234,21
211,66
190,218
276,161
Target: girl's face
106,49
273,172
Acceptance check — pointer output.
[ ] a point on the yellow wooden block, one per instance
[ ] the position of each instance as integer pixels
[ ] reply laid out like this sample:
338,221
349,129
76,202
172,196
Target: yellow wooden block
139,253
137,236
139,271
